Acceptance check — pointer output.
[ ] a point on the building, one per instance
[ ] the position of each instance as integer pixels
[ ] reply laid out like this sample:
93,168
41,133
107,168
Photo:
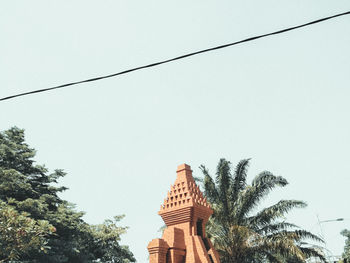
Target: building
185,212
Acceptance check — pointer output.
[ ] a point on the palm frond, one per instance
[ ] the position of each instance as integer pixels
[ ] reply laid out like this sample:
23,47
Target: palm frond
261,186
269,214
303,234
198,179
267,177
210,190
314,252
284,247
279,249
275,228
295,235
223,181
239,179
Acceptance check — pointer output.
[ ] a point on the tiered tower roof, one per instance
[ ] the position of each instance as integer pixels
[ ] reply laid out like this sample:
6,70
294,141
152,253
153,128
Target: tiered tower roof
184,193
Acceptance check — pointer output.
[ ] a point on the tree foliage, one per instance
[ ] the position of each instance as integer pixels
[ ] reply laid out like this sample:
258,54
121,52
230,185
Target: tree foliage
238,234
21,234
54,231
346,253
106,237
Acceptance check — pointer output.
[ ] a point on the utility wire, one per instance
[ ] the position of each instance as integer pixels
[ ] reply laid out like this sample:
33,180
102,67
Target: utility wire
176,58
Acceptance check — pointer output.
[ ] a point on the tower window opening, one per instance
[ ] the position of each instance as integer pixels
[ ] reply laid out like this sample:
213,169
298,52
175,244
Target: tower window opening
200,227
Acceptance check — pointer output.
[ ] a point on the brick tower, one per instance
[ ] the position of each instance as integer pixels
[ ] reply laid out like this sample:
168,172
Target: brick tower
185,212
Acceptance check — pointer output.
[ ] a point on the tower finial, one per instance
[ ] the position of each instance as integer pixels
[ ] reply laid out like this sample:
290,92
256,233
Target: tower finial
184,169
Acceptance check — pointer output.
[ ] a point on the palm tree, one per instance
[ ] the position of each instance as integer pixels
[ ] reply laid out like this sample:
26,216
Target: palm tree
241,236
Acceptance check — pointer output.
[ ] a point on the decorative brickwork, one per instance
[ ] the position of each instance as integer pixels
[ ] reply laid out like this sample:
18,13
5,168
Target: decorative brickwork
185,212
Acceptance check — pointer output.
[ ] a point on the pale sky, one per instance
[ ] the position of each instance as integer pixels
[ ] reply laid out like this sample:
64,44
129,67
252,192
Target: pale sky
282,101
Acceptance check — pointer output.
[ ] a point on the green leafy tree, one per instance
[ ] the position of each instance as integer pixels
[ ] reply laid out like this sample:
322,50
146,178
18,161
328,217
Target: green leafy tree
32,191
106,238
20,234
238,234
346,253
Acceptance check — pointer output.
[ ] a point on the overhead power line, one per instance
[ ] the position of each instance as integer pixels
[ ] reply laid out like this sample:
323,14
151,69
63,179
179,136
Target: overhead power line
176,58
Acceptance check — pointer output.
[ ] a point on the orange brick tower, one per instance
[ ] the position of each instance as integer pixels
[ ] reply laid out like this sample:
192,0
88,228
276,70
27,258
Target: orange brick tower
185,212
